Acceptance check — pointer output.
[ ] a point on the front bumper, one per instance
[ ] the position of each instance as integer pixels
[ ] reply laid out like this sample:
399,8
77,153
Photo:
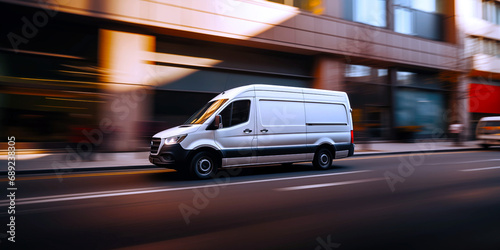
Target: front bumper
170,156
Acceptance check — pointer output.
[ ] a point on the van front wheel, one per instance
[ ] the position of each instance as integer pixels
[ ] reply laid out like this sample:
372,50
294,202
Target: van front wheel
322,159
203,165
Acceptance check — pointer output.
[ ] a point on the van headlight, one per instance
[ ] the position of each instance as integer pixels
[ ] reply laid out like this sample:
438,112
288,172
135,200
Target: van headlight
174,139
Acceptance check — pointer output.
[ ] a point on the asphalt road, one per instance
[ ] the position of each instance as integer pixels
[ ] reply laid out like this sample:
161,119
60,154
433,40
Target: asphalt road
413,201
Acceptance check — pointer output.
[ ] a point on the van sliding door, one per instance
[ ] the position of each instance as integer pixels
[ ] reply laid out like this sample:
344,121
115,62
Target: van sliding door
280,130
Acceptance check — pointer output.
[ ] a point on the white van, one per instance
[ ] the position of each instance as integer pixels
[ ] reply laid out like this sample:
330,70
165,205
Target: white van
259,124
488,131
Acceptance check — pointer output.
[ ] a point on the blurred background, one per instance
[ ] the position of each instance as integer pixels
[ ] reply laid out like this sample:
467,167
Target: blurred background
115,72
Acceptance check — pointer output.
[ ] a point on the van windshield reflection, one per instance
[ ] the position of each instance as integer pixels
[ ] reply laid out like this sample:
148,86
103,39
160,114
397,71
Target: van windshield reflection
205,112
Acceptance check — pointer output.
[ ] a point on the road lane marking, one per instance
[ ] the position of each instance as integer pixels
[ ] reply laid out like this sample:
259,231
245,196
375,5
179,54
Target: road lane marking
463,162
479,169
83,196
328,184
67,175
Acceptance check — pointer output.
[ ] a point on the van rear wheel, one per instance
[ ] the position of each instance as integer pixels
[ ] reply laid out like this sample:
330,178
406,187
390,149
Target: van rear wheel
323,159
203,165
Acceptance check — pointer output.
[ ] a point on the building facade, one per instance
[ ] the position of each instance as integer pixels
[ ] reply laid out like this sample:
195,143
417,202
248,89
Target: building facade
140,65
480,25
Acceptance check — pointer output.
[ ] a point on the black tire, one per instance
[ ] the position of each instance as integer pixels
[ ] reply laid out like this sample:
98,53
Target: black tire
203,166
485,146
323,159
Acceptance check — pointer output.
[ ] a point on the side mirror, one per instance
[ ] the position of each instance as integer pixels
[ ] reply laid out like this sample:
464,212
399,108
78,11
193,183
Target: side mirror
218,121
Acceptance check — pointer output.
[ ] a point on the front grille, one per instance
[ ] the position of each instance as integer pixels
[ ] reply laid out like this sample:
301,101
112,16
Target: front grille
155,145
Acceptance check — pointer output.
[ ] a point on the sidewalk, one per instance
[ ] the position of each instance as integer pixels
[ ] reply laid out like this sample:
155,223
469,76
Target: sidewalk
423,147
37,161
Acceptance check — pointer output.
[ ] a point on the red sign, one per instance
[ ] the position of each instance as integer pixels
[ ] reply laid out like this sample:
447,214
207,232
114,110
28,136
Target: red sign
484,98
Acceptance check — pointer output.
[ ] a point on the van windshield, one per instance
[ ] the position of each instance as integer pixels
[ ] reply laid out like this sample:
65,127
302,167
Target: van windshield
204,113
489,127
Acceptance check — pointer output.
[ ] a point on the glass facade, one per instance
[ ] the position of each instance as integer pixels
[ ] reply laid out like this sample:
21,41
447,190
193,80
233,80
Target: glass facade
420,111
372,12
418,18
391,103
423,5
480,45
419,104
404,17
369,93
491,11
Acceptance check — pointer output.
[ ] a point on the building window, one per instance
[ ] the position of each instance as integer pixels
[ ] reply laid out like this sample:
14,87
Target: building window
419,18
491,11
372,12
481,45
413,79
369,93
471,46
354,71
419,103
404,23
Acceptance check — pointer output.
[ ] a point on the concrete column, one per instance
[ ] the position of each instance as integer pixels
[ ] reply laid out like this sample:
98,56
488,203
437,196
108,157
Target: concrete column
329,73
125,79
461,98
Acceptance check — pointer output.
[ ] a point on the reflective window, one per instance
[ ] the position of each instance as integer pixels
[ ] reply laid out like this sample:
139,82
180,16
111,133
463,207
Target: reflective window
418,80
404,20
491,11
357,70
235,113
372,12
424,5
205,112
405,78
475,45
419,18
361,73
489,127
382,72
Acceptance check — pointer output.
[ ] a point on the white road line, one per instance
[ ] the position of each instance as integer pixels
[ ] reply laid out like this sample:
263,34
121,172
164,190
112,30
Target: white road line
82,196
328,184
479,169
463,162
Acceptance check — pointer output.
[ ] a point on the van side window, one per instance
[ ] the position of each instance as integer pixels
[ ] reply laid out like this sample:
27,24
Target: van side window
489,127
235,113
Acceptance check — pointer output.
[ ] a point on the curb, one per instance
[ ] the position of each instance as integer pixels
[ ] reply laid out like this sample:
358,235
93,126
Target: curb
417,152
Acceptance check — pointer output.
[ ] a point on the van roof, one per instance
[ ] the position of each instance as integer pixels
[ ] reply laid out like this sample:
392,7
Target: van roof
231,93
490,118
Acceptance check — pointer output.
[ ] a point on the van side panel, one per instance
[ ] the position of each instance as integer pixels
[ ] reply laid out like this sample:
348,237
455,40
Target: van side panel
328,121
280,127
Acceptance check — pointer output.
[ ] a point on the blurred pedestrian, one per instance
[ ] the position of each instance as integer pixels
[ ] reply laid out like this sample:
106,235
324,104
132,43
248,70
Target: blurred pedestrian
455,130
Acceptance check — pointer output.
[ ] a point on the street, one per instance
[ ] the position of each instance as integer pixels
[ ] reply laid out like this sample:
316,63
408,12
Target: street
446,200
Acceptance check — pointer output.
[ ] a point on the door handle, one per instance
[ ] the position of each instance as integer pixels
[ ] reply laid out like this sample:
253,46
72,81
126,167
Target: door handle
264,130
247,131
